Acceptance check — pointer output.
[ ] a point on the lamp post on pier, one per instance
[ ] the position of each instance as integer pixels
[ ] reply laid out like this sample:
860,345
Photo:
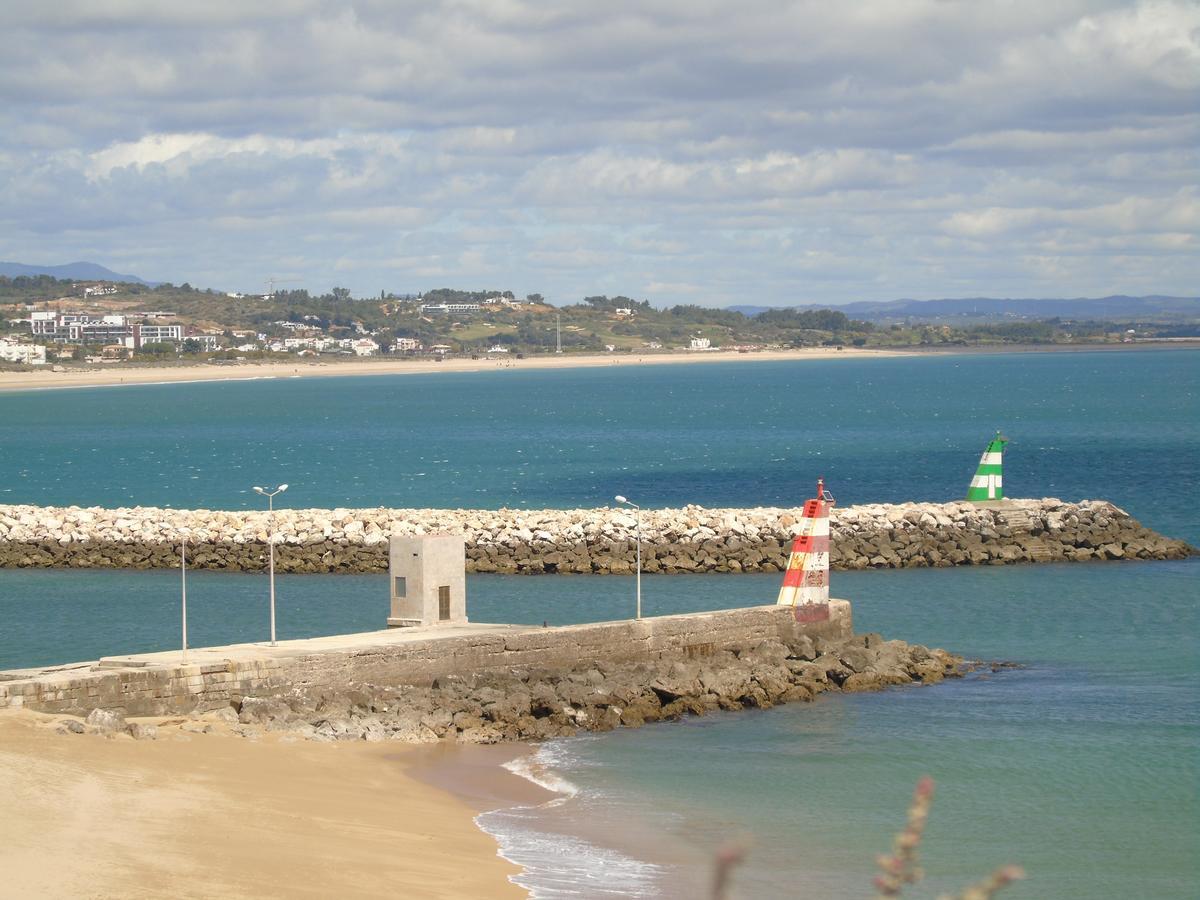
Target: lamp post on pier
183,587
270,495
637,513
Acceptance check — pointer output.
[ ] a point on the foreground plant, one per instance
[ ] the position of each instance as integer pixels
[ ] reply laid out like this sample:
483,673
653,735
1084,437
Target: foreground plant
900,868
903,867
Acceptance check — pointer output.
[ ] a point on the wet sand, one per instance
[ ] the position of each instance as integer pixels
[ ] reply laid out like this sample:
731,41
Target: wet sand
215,815
117,374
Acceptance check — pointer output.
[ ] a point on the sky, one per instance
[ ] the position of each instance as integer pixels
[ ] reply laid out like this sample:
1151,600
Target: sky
677,151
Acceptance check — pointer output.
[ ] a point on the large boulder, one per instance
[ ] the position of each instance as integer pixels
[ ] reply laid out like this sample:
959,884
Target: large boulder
105,721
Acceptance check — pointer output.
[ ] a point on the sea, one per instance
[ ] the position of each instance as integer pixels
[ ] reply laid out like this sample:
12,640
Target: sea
1080,764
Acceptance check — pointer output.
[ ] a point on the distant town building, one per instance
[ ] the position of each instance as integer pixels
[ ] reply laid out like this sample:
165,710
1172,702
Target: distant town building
444,308
27,354
99,290
79,328
700,343
364,347
406,344
497,349
623,312
208,342
140,335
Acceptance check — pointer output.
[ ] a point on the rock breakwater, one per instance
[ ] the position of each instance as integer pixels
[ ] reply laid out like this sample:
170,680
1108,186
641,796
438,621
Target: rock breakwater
593,695
585,541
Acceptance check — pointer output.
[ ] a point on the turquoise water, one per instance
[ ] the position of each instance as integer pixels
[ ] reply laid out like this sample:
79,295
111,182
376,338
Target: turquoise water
1121,426
1081,767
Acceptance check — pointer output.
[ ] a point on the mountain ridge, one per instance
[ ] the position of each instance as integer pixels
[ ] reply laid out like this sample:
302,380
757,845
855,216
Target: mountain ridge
83,271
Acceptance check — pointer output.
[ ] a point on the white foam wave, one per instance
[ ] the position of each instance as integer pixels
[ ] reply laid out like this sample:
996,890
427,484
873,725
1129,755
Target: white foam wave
531,768
558,866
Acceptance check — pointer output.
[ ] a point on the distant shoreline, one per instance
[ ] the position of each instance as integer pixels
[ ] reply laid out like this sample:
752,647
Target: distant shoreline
43,378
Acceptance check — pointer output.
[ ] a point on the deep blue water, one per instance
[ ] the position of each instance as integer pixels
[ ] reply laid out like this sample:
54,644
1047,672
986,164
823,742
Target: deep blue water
1114,425
1082,767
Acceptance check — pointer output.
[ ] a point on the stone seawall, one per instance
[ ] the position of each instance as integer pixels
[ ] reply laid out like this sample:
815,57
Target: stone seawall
586,541
159,684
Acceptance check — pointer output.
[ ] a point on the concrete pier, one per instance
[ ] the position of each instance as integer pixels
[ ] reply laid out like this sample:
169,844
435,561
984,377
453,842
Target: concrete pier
156,684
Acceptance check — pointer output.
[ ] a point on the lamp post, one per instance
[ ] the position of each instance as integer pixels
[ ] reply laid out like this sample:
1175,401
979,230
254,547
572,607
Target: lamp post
637,513
270,495
183,588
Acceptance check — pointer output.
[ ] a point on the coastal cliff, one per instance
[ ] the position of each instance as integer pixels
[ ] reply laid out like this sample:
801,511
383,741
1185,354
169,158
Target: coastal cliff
585,541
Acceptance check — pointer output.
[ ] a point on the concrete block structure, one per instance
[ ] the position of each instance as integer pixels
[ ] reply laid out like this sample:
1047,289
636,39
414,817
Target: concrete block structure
428,581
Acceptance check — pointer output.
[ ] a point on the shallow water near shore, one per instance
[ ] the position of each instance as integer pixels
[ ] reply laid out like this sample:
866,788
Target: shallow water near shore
1082,766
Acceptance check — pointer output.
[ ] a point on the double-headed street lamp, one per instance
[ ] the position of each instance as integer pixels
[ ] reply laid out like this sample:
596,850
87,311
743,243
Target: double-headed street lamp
270,495
637,513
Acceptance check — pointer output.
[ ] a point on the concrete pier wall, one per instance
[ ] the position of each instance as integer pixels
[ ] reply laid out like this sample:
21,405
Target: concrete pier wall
159,684
585,541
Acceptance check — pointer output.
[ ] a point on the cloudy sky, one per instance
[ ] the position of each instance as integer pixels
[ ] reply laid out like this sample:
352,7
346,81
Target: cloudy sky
681,151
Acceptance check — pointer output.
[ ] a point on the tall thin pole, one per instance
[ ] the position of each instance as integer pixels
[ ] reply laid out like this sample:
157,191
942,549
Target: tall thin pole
183,591
270,495
639,561
271,541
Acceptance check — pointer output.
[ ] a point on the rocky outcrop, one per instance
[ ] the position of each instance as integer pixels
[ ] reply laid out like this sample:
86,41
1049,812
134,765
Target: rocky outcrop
599,541
525,704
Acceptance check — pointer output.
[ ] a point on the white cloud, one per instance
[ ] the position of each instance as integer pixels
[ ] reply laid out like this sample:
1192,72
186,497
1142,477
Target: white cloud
834,151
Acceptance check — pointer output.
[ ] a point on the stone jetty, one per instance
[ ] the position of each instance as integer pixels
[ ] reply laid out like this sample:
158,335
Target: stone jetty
551,702
478,683
585,541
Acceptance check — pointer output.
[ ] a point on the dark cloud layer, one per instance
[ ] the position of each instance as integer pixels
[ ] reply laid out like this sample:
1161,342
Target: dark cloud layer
685,152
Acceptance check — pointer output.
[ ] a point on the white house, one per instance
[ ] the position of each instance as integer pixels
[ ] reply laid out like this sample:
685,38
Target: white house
700,343
364,347
406,343
623,312
497,349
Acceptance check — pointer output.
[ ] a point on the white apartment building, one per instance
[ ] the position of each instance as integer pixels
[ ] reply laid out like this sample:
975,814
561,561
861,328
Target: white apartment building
79,327
450,307
28,354
155,334
309,343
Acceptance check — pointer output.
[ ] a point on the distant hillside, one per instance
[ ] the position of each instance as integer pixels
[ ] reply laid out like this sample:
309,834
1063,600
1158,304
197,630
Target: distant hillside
83,271
1120,307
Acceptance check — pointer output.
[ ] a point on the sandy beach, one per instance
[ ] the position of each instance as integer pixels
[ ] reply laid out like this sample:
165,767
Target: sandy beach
215,815
43,377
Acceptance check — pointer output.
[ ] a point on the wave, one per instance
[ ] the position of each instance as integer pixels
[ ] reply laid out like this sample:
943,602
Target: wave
557,864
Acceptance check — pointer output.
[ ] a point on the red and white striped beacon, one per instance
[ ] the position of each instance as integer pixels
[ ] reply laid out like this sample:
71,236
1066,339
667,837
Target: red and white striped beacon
806,579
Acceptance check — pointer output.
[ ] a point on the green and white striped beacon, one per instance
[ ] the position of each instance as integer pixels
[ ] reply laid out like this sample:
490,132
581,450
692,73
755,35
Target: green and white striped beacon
988,483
